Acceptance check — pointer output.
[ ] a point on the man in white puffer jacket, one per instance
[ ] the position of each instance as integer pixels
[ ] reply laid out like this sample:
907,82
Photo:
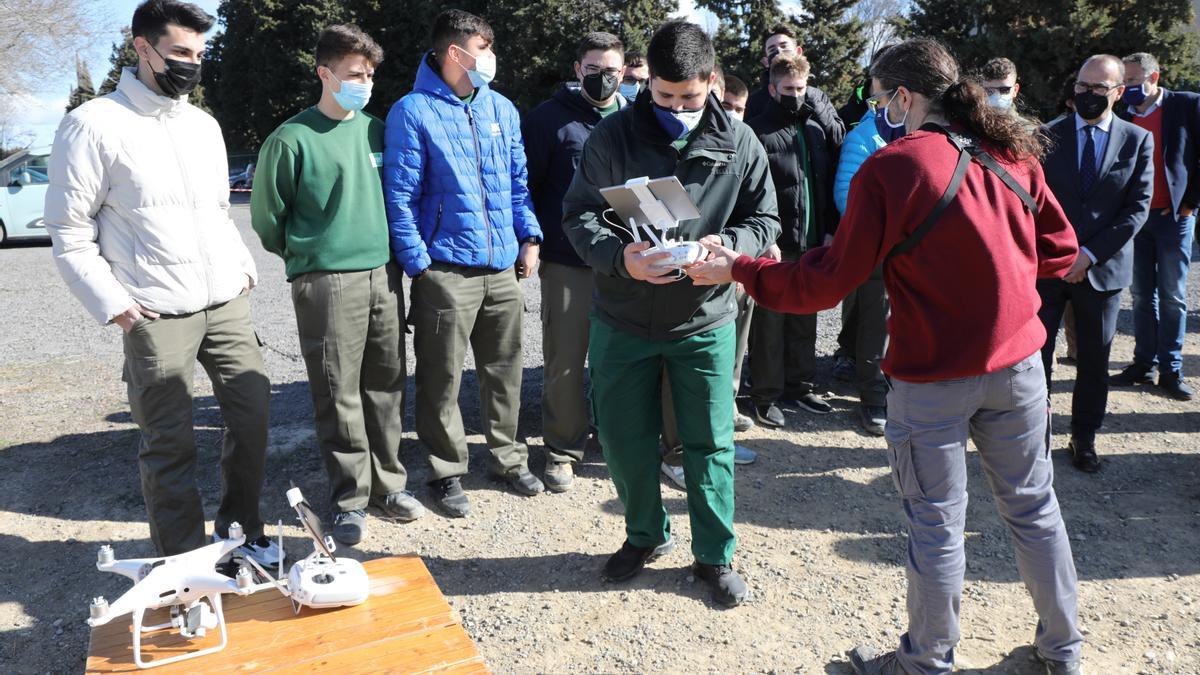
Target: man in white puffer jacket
138,209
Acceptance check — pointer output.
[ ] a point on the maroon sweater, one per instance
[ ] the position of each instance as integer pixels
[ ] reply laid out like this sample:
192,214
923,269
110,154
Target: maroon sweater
964,300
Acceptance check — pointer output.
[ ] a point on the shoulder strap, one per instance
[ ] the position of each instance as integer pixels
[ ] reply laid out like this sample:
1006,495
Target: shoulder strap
968,149
960,171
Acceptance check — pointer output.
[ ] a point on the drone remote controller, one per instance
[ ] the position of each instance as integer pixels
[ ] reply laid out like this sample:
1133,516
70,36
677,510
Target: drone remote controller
682,254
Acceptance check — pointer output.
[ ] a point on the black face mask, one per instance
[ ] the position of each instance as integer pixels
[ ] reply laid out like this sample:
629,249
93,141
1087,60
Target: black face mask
1090,105
179,79
600,86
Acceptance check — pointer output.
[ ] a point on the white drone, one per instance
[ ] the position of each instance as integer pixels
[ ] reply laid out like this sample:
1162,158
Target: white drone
191,587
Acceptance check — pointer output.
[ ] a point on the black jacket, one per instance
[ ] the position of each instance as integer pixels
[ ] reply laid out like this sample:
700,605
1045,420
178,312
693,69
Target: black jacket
776,130
554,134
724,170
1181,146
823,112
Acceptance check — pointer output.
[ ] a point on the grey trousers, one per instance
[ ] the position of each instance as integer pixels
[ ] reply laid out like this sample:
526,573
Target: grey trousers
670,431
352,337
160,358
928,425
566,305
453,307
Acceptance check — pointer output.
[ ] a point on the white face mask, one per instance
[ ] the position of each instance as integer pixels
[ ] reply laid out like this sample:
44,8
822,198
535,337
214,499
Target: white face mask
1000,101
484,71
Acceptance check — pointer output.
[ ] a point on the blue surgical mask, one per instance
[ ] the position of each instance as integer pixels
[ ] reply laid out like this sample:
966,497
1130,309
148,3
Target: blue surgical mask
1134,96
888,131
1000,101
629,90
353,96
678,123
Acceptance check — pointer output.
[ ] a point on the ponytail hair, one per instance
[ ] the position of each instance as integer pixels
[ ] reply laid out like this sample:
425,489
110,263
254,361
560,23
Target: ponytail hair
925,67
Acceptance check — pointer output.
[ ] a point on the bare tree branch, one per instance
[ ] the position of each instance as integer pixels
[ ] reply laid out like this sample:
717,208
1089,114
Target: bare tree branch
35,36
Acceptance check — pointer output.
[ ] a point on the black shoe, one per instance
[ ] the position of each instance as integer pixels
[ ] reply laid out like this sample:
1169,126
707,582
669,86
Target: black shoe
812,403
349,527
1083,455
1068,360
844,367
769,415
1132,374
870,661
630,560
523,481
450,498
874,418
1174,386
727,586
1059,667
560,476
401,506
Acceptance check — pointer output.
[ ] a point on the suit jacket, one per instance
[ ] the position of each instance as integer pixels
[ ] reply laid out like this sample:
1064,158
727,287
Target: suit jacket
1181,145
1106,219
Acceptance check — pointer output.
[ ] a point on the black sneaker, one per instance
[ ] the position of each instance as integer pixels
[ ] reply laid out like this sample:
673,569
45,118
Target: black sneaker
727,586
812,403
844,367
559,476
1133,374
874,418
1174,386
450,498
870,661
1083,455
522,481
769,415
349,527
1059,667
630,560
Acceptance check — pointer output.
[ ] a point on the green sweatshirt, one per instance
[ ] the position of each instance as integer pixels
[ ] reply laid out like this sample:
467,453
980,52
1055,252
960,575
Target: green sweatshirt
318,199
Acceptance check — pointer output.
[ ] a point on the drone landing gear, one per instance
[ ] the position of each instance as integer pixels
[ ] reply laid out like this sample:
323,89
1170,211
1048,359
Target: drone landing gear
192,621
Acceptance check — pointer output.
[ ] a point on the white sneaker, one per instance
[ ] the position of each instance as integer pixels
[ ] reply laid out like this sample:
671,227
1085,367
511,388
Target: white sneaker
264,550
675,473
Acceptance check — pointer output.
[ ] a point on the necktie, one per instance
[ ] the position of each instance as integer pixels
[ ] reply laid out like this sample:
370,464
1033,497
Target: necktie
1087,163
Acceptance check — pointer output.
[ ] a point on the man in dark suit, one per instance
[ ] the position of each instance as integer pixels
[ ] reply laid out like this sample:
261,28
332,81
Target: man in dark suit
1162,251
1101,170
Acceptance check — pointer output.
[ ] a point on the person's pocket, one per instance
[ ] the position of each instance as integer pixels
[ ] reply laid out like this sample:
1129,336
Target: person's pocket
904,473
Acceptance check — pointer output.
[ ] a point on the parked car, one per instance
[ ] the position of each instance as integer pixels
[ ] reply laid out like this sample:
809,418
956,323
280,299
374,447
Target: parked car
25,178
244,179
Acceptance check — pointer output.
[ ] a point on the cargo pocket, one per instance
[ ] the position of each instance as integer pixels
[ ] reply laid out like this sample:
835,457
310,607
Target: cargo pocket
904,473
142,368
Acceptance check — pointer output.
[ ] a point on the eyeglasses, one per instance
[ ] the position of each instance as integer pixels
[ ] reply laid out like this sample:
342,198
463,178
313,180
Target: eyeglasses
630,79
1003,91
592,69
1098,88
874,101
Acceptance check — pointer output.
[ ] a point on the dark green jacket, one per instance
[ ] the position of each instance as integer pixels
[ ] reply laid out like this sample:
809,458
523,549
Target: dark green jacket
723,168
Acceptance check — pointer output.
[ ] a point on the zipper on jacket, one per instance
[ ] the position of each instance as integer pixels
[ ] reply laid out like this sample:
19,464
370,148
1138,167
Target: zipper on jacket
437,225
479,173
202,248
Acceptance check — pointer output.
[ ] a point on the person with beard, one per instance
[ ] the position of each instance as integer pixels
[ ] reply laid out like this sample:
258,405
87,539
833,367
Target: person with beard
783,352
781,39
554,134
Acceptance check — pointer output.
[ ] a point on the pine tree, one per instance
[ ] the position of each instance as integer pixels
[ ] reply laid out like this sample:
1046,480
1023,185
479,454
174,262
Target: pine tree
833,40
84,91
739,36
123,56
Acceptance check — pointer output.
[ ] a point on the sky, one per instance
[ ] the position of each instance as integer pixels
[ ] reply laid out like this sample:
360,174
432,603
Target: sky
46,108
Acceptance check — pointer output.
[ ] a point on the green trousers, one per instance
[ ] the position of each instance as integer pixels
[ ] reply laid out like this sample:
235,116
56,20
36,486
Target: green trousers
352,337
160,357
566,305
454,307
626,394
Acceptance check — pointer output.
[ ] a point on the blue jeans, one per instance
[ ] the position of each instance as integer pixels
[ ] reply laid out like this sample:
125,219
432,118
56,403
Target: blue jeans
1162,251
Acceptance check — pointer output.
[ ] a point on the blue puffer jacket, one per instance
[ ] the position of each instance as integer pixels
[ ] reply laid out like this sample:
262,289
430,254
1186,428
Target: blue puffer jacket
860,143
443,163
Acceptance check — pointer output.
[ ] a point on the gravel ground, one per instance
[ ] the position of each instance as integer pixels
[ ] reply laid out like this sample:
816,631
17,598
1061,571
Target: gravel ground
820,526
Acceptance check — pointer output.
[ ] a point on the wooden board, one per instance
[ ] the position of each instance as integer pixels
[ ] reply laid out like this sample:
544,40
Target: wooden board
406,626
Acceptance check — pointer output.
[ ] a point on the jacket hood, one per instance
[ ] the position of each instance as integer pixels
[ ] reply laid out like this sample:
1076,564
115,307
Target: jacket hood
430,81
144,100
715,130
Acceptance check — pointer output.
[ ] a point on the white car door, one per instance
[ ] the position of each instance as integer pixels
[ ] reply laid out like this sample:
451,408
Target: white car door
25,198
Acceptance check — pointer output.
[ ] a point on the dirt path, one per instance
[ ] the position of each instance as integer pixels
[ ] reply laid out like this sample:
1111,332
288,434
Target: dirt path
820,526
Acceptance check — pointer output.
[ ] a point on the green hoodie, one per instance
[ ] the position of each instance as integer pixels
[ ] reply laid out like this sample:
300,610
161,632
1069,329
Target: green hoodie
318,198
723,167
